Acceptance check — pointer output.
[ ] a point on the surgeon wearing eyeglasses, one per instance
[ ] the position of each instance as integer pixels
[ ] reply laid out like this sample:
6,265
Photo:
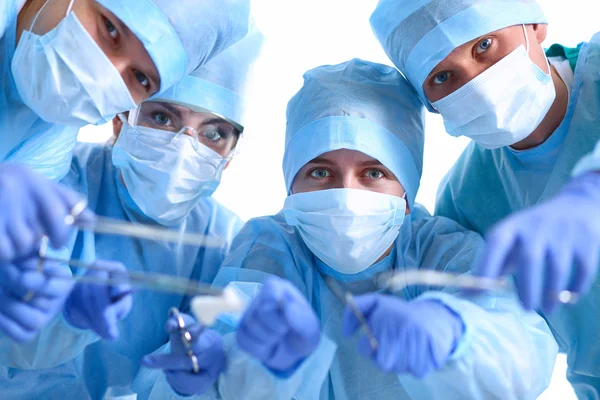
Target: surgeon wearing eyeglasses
165,163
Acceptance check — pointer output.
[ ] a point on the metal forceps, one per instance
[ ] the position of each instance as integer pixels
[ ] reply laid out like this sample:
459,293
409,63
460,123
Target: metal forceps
347,299
143,280
398,280
186,338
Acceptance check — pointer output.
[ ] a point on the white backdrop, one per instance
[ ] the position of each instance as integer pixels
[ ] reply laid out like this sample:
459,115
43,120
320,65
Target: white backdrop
304,34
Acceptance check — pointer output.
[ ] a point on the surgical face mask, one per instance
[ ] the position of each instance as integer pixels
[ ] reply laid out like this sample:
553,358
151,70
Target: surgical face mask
166,173
347,229
66,78
503,105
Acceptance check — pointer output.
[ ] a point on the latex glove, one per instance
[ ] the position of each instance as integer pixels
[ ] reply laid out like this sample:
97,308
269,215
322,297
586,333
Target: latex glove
415,338
22,320
551,247
279,327
100,307
32,206
207,346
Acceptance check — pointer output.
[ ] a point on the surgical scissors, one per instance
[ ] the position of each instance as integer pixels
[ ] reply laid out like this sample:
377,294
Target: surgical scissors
398,280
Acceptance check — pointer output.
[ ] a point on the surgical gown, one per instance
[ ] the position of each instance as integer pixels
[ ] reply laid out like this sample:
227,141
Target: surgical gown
112,365
485,186
504,354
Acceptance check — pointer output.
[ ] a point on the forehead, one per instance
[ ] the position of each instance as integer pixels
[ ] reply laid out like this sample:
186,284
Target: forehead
177,110
344,157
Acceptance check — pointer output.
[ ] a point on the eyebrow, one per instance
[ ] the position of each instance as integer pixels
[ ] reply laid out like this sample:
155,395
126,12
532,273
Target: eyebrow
321,160
371,163
172,109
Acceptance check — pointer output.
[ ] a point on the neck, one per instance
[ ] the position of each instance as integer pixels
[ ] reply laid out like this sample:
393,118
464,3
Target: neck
553,119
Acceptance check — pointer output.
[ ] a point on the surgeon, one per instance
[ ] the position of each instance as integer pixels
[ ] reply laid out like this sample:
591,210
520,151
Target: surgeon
166,162
352,166
69,63
532,115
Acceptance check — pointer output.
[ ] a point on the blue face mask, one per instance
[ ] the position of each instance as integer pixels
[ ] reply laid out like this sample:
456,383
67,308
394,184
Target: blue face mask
503,105
166,173
347,229
66,78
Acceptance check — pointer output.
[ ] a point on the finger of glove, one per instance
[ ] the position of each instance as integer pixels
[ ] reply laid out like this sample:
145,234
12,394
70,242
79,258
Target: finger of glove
530,268
364,347
558,264
7,251
267,316
23,238
365,304
71,199
170,362
586,267
499,244
16,331
259,349
386,357
188,384
22,313
302,321
51,213
106,323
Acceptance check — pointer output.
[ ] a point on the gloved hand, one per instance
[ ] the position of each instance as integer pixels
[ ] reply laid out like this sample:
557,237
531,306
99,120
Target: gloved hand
100,307
415,338
552,247
207,346
32,206
279,327
21,318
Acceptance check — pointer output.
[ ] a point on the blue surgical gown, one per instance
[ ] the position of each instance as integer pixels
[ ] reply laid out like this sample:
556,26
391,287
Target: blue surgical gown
484,186
24,137
114,364
504,354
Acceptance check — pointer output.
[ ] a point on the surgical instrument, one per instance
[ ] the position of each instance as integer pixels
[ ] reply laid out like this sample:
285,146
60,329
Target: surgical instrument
398,280
347,299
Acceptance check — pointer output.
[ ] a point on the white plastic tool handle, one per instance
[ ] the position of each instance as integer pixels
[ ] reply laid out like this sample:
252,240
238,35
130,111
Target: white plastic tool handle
207,309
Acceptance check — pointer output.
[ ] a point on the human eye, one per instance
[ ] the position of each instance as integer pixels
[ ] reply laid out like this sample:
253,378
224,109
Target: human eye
213,135
320,173
484,45
162,118
442,77
111,29
142,79
374,174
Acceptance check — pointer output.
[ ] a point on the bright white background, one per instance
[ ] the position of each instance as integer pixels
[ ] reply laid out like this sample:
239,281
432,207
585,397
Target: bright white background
303,34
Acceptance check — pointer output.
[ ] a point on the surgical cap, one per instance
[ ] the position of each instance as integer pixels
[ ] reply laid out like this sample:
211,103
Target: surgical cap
219,86
357,105
182,35
418,34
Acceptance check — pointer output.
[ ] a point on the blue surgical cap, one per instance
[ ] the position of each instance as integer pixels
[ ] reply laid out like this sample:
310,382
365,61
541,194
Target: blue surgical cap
219,86
418,34
181,35
357,105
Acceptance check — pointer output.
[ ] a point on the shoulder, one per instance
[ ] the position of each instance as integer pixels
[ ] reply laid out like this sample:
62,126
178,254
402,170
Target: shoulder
89,161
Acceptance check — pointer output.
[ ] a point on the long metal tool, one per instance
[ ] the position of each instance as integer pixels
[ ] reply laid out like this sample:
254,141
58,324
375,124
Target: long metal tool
141,280
123,228
398,280
346,298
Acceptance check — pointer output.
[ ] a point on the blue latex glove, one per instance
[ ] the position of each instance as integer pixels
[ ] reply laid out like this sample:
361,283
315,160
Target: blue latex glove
552,247
414,338
279,327
100,307
207,345
31,206
22,320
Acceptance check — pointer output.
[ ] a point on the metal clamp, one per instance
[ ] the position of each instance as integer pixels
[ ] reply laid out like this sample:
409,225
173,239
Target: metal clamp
186,339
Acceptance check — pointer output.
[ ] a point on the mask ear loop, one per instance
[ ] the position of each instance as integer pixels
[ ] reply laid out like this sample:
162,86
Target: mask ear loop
527,49
42,9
